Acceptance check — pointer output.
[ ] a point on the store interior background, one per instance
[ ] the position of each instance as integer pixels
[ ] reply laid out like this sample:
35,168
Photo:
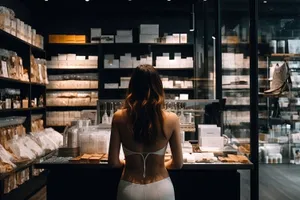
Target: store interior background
277,19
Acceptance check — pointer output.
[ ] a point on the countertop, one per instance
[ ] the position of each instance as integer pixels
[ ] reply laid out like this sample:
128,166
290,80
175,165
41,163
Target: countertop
60,163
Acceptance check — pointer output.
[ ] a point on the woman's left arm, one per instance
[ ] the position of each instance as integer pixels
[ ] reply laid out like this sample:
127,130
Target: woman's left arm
115,144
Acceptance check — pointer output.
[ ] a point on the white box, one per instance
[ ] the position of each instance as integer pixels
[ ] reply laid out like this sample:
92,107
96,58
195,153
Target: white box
124,32
80,57
96,35
125,63
176,38
111,85
148,38
183,38
184,96
169,39
149,29
71,56
13,30
216,142
92,57
208,130
107,39
62,57
135,62
124,39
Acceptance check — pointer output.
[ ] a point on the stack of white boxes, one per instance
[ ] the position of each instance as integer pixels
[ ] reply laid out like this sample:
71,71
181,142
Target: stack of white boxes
235,61
18,28
149,33
72,61
126,61
178,62
176,38
175,83
124,36
209,137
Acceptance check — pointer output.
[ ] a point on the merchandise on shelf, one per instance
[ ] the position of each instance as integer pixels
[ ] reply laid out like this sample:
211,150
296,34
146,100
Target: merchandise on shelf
236,117
10,99
18,28
73,81
67,39
60,118
11,66
37,125
126,61
72,98
164,61
72,61
124,36
38,70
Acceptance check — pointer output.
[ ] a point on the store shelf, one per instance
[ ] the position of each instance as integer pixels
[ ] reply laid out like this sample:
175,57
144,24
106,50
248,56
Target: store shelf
74,89
159,69
38,84
15,110
66,108
12,39
10,80
169,89
38,108
120,44
73,44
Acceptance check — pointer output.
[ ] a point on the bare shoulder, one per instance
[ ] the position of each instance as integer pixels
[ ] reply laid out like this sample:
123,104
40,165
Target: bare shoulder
171,117
119,115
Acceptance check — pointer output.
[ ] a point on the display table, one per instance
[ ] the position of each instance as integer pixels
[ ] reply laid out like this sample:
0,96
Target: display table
99,181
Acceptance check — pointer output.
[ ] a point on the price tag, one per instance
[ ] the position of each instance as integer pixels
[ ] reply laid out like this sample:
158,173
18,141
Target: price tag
4,68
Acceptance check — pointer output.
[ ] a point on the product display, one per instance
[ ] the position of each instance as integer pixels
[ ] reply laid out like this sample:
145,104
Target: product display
11,66
38,70
178,62
72,61
10,99
72,98
73,81
67,39
16,27
62,118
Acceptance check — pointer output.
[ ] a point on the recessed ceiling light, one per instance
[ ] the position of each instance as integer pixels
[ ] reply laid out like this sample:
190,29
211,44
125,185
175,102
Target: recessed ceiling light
168,0
87,0
46,0
265,1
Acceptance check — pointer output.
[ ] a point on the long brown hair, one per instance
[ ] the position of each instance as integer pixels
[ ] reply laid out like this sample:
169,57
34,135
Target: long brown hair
144,103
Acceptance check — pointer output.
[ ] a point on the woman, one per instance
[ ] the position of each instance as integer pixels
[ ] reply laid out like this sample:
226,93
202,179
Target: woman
144,129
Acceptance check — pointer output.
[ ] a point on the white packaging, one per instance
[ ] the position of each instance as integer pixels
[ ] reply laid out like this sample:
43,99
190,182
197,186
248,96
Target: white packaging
62,57
80,57
124,32
148,38
215,142
71,56
124,82
124,39
13,30
135,62
169,39
92,57
176,38
111,85
208,130
96,35
183,38
184,96
149,29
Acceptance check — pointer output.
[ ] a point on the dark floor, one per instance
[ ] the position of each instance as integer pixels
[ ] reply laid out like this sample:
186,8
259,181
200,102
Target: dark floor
277,182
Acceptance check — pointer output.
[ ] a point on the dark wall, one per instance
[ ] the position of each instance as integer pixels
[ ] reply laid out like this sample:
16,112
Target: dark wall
21,11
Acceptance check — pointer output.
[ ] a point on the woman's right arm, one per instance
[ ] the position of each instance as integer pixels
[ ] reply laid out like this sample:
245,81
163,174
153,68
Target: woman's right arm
175,143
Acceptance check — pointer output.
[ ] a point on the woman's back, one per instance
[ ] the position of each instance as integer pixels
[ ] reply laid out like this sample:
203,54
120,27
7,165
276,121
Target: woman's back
137,153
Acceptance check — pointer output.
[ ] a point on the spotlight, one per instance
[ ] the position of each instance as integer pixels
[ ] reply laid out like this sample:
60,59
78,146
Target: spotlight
265,1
